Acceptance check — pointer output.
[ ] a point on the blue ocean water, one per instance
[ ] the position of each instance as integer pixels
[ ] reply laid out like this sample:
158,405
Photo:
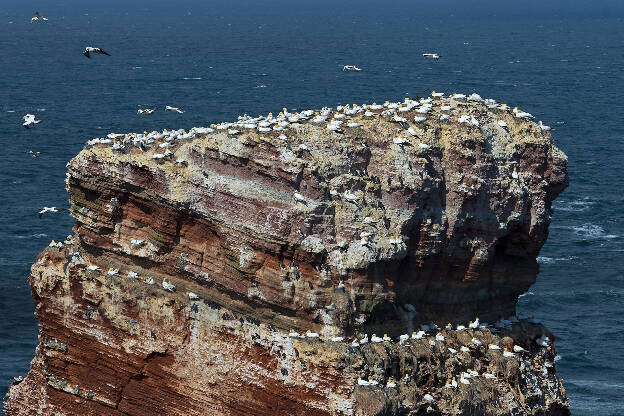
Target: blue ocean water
217,60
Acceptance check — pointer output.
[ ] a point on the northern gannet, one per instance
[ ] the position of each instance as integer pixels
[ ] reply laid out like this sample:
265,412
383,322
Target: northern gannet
464,349
89,50
149,281
518,349
294,334
508,354
489,376
38,18
145,111
544,127
474,324
431,55
514,174
429,398
299,197
168,286
93,268
29,121
376,339
337,339
351,68
137,243
192,296
173,109
477,342
33,154
463,379
112,272
419,119
439,337
502,124
436,94
50,209
452,350
493,347
132,275
312,334
390,383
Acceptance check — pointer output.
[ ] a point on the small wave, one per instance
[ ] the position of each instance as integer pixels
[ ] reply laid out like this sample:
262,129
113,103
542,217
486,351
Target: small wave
10,111
187,78
573,206
548,260
40,235
592,232
41,109
260,86
526,294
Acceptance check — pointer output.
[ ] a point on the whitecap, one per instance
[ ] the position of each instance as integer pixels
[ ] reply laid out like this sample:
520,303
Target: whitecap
187,78
10,111
579,205
526,294
137,67
592,232
260,86
548,260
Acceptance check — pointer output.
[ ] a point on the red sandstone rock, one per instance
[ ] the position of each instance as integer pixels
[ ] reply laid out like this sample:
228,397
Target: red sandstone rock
451,233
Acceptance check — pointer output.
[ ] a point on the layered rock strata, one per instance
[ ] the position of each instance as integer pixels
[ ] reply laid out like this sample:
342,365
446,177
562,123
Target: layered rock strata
190,267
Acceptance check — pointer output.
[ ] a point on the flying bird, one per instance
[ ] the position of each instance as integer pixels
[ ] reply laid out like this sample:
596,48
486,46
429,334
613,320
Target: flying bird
50,209
38,18
351,68
431,55
145,111
33,154
89,50
173,109
29,121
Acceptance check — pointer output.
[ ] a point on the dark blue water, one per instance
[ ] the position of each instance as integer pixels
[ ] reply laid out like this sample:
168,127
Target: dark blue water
217,62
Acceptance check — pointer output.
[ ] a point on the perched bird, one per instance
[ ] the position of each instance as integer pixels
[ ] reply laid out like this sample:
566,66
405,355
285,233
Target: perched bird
477,342
173,109
518,348
89,50
489,376
376,339
93,268
112,272
132,275
299,197
429,398
294,334
543,126
192,296
337,339
312,334
463,379
474,324
38,18
29,121
168,286
508,354
50,209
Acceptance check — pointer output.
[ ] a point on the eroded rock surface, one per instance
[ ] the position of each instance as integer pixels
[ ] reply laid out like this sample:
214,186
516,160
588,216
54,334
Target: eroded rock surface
378,227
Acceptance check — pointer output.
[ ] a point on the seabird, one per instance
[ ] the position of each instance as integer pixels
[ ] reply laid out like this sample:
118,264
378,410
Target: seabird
518,348
312,334
463,379
543,126
508,354
149,281
431,55
137,243
173,109
29,121
192,296
351,68
429,398
89,50
493,347
298,197
132,275
452,350
477,342
294,334
439,337
145,111
50,209
33,154
489,376
337,339
376,339
464,349
436,94
390,383
93,268
474,324
168,286
38,18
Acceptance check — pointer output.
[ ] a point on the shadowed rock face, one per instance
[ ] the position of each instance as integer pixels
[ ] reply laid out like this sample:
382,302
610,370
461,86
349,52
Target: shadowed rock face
306,229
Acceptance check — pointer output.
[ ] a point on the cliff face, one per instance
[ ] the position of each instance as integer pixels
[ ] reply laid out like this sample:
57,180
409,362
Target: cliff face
378,225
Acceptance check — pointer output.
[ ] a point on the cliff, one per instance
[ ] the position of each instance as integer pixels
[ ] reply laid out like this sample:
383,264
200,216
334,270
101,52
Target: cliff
200,260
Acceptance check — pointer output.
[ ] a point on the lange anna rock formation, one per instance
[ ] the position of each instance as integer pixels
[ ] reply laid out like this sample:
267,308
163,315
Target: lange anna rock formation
286,266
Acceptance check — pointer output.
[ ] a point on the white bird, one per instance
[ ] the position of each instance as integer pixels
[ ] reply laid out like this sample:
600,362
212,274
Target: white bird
418,335
364,340
474,324
132,275
465,349
293,334
93,268
429,398
431,55
419,119
89,50
376,339
38,18
192,296
518,349
149,281
508,354
50,209
502,123
168,286
137,243
400,140
444,117
337,339
112,272
436,94
477,342
390,384
489,376
452,350
362,382
460,327
439,337
312,334
173,109
493,347
543,126
298,197
350,197
403,337
351,68
543,341
463,379
29,121
514,174
424,146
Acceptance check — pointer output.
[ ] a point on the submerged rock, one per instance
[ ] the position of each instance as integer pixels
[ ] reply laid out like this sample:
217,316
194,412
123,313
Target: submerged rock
291,227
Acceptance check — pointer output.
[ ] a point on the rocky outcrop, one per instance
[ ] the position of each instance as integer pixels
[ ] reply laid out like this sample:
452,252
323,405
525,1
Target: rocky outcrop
196,254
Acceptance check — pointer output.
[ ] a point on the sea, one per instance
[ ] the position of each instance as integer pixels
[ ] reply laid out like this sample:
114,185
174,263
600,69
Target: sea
562,61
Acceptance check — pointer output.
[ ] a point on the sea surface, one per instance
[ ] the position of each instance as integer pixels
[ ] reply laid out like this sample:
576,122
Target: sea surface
217,60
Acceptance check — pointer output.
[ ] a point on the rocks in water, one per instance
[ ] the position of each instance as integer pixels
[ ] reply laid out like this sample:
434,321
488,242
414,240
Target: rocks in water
280,250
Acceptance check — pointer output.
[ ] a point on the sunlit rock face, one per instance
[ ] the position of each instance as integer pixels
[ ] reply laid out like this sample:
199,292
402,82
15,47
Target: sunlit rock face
212,246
